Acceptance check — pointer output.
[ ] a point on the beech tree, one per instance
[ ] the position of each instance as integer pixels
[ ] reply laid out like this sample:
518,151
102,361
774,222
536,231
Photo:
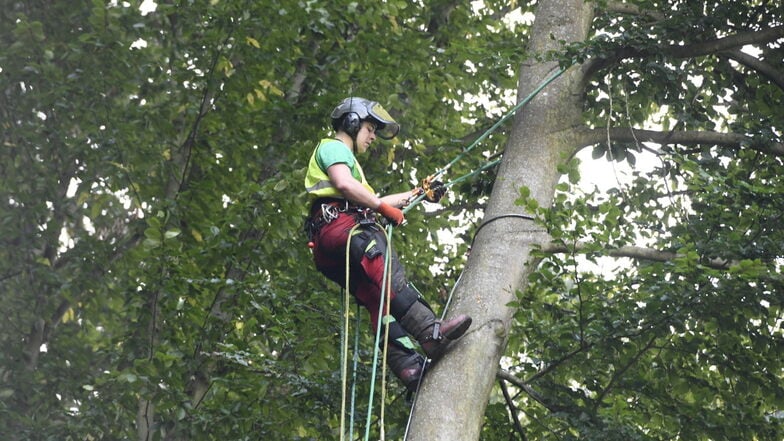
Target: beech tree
670,345
157,284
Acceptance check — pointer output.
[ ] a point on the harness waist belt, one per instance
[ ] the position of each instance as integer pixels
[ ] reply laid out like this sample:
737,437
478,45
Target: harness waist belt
325,210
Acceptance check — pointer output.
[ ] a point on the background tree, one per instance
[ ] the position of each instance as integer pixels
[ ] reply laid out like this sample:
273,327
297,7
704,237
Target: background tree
156,282
157,286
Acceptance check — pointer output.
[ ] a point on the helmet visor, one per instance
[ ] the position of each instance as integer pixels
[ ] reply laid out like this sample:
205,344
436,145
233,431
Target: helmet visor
387,126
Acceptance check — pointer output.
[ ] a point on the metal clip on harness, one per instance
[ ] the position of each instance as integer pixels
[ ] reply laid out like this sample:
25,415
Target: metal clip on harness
329,212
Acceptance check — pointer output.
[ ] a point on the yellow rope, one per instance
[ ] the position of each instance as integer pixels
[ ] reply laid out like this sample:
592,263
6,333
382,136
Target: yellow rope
387,280
344,342
387,287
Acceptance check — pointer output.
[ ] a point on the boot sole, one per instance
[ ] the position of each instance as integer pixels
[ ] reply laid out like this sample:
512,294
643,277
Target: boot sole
458,332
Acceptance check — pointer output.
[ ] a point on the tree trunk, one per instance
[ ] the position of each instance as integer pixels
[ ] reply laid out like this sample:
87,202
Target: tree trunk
452,401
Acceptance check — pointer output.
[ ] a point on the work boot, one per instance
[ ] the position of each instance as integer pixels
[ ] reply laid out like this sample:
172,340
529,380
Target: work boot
434,336
407,365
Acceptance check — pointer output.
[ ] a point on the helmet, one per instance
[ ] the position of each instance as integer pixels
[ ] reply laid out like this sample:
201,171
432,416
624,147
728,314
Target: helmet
350,113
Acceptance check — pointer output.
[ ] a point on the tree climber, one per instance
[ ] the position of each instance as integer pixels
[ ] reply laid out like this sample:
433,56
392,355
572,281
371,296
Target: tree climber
341,198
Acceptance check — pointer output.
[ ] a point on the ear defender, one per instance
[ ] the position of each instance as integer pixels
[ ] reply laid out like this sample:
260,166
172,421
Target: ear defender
351,123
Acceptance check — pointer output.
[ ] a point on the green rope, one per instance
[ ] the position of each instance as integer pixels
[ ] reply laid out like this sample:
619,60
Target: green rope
384,294
503,119
493,128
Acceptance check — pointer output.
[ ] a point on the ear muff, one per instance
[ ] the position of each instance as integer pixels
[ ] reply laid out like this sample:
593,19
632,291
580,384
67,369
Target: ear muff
351,123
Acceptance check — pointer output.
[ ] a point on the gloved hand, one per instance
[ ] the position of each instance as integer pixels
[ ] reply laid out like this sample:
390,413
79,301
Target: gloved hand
394,215
434,190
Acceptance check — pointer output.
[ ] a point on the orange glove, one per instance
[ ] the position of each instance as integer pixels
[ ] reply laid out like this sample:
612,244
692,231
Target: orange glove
394,215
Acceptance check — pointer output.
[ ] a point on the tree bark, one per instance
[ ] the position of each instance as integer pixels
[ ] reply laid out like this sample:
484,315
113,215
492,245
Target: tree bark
452,401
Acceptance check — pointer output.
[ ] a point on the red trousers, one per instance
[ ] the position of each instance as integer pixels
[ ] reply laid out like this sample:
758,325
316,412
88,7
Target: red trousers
366,267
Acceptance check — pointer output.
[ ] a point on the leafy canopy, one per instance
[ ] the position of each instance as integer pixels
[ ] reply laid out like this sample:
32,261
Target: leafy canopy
156,281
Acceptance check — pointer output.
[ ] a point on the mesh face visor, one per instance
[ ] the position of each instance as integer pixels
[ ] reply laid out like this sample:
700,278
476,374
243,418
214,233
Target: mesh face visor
387,127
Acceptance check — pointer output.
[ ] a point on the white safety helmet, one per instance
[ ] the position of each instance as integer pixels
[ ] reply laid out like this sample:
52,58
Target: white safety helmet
350,113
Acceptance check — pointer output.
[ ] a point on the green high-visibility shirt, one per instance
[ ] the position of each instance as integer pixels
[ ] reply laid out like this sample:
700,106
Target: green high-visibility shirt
329,152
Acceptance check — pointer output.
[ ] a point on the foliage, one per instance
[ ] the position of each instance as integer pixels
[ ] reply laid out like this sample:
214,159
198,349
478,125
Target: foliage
153,263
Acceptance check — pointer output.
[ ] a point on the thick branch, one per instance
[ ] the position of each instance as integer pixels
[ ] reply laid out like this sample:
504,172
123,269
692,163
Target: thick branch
624,134
512,410
731,42
727,43
630,9
639,253
509,377
300,76
766,70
